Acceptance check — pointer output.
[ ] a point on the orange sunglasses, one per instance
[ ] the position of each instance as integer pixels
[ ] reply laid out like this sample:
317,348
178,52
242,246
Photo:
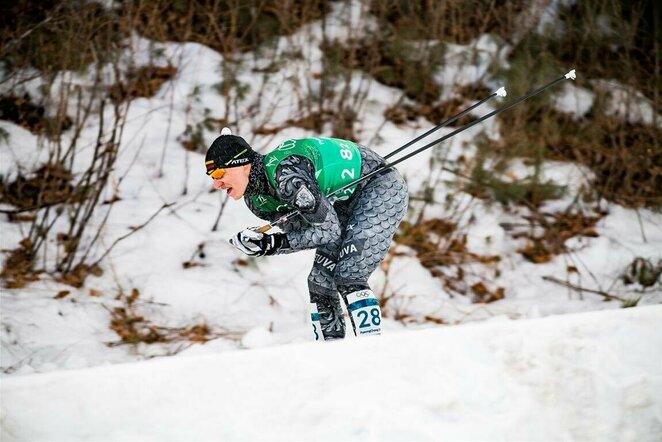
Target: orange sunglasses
217,174
214,172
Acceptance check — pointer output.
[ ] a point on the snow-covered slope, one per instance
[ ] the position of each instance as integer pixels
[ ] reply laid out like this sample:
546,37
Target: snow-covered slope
588,376
268,299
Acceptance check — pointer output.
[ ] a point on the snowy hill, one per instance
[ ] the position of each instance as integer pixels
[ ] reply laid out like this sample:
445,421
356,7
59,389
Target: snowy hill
49,325
233,356
588,376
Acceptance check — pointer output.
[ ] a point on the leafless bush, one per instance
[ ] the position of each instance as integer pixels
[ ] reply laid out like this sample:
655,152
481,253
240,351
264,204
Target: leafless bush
612,45
60,189
133,327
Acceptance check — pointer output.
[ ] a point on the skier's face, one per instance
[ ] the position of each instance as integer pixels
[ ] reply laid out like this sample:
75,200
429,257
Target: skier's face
234,181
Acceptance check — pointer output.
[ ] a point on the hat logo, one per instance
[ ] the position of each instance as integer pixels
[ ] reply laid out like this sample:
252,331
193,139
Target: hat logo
239,161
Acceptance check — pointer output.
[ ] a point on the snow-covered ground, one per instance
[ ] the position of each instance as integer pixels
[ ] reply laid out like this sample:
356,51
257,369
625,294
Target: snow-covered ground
588,376
595,377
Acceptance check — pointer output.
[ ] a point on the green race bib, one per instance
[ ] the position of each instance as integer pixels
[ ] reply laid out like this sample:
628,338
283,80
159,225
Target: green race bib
337,163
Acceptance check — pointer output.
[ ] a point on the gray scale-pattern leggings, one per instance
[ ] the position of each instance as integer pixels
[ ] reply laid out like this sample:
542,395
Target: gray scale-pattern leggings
344,266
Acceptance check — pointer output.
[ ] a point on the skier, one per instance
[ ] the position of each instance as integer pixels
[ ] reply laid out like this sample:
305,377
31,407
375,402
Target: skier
351,231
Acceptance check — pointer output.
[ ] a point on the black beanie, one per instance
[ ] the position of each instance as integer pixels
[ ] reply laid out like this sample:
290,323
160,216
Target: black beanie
228,151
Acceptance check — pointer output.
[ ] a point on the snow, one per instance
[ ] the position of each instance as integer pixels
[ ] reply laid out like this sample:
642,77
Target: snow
523,379
590,376
12,159
548,15
469,64
574,100
629,104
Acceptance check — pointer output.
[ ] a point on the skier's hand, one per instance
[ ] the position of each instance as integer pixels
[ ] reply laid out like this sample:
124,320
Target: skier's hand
253,243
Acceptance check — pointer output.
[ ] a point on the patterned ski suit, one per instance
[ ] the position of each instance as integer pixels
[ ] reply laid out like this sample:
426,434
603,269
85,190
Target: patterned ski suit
351,236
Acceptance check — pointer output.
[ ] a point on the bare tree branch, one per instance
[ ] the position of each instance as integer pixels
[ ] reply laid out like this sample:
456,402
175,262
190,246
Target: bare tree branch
582,289
133,230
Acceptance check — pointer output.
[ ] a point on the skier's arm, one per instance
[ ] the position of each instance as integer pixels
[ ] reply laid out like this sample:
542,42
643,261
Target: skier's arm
297,185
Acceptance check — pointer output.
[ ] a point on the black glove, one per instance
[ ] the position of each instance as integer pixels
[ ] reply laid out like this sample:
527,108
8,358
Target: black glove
253,243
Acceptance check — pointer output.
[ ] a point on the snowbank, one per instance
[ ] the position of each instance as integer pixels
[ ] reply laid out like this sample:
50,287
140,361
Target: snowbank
589,376
268,299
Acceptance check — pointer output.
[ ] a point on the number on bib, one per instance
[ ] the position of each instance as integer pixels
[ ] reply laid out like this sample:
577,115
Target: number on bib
349,172
375,318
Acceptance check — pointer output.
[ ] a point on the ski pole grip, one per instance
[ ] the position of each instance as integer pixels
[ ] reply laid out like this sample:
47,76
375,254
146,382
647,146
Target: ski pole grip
264,228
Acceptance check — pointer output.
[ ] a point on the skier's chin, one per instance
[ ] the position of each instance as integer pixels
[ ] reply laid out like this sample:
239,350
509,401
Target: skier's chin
233,193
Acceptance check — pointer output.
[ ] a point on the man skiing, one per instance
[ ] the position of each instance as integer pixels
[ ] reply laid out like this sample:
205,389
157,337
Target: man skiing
351,230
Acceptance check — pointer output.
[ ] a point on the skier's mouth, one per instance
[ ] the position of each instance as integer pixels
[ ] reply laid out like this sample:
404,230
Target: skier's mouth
228,190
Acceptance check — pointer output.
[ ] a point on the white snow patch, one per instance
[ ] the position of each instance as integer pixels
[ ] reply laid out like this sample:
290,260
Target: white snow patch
593,376
468,64
573,100
628,104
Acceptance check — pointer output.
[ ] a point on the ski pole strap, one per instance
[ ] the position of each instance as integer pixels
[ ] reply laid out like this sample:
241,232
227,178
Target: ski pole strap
501,92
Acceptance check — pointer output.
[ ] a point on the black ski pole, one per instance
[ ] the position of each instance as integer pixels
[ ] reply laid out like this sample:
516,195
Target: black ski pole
501,92
569,76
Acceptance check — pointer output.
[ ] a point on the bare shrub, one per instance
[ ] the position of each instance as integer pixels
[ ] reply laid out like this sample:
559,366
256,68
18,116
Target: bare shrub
135,328
22,111
557,228
226,26
49,37
49,185
17,269
456,21
141,82
605,40
442,248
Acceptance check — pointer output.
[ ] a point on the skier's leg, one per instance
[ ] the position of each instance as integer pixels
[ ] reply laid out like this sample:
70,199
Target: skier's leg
368,234
326,311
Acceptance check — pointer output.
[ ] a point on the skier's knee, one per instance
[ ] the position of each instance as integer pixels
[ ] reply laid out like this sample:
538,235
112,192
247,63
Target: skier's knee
321,283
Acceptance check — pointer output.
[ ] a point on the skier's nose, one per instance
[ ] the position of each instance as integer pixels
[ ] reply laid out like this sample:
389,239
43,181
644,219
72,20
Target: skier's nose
218,184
